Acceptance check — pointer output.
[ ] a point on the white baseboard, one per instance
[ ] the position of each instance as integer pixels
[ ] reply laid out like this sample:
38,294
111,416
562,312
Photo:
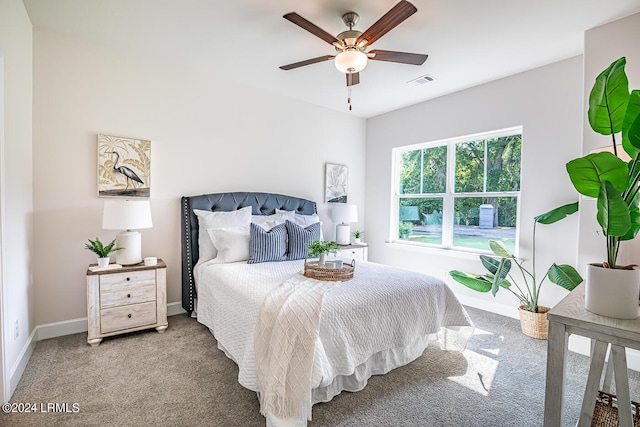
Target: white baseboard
493,307
21,363
75,326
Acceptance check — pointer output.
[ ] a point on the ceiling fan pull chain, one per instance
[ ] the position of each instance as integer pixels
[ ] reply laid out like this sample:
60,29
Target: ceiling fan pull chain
349,97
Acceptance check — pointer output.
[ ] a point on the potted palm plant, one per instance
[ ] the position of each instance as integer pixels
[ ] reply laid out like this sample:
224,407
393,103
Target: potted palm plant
102,251
533,317
610,289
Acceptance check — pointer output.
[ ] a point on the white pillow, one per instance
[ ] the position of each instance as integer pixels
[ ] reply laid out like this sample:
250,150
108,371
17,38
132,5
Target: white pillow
269,221
237,220
232,245
303,220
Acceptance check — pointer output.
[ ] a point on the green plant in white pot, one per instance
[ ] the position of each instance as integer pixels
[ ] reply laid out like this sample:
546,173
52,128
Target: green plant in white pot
528,291
614,183
102,251
319,248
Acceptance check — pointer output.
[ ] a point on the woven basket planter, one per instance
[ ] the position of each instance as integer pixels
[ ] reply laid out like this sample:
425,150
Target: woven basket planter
533,324
605,413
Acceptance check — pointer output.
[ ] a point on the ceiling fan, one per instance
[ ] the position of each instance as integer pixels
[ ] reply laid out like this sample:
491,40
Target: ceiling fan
352,45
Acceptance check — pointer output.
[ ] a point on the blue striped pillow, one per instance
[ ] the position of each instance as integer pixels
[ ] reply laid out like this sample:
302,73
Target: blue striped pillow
299,238
267,246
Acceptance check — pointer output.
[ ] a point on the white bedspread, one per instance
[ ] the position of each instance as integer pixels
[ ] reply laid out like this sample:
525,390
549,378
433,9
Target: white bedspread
379,320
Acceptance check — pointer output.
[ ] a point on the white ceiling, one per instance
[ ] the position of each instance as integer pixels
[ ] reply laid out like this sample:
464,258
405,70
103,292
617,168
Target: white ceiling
469,42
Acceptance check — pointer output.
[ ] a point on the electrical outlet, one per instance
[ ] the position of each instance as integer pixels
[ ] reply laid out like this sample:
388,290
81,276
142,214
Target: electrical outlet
16,331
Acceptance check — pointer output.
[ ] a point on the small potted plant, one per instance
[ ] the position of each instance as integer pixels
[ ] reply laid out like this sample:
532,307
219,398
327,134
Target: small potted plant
102,251
318,248
356,237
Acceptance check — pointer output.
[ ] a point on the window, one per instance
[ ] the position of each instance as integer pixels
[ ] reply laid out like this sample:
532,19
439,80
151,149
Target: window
459,193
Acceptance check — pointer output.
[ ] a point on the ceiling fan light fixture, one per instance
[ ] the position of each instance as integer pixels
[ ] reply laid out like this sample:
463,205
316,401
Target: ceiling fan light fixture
351,61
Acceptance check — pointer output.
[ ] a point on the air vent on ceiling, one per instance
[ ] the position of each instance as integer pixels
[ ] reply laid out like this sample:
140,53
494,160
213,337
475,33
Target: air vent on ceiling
427,78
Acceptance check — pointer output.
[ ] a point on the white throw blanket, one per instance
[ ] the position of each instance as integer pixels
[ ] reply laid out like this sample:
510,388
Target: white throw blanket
285,338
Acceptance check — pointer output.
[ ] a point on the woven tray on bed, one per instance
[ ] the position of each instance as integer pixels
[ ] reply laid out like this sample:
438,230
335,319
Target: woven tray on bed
314,271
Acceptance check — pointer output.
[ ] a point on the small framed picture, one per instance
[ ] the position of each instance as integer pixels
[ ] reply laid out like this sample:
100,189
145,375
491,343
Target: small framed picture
124,167
336,180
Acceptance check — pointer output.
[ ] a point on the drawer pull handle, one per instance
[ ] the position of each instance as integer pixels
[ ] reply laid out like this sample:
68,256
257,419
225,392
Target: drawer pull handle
129,316
128,295
128,279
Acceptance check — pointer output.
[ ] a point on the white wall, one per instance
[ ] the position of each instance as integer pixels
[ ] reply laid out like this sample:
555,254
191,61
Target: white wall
603,45
547,103
207,134
17,193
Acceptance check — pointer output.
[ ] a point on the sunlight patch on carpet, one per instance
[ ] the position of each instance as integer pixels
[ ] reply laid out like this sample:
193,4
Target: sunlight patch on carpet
482,362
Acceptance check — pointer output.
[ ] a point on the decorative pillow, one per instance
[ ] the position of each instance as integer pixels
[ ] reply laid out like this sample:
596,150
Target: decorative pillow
237,220
269,221
267,246
232,245
299,238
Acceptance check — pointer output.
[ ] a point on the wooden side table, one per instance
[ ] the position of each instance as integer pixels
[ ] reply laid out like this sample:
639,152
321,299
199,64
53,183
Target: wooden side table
570,317
357,252
126,299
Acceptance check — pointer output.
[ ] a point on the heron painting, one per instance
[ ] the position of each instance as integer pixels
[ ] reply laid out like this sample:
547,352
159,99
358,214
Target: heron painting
124,167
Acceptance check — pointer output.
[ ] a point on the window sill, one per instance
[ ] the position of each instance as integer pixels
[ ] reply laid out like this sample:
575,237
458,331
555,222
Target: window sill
432,250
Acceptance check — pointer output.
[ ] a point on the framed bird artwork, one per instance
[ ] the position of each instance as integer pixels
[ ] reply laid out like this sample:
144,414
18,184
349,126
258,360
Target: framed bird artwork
124,167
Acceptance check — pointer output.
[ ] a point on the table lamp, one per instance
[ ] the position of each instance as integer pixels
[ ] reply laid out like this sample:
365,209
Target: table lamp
344,213
127,216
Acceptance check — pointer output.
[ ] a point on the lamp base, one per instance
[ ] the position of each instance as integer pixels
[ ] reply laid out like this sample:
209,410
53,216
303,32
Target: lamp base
131,241
343,234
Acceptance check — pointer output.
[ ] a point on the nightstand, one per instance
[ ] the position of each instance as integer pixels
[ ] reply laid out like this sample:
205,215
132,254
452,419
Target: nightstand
357,252
126,299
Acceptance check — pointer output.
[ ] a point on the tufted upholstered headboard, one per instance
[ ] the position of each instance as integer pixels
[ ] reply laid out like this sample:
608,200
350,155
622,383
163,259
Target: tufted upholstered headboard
262,204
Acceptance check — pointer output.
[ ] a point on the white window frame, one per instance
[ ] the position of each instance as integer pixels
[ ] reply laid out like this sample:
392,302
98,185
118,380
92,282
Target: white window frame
449,195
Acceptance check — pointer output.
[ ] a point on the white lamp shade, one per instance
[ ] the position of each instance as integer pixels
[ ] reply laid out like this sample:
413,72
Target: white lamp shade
351,61
344,213
126,215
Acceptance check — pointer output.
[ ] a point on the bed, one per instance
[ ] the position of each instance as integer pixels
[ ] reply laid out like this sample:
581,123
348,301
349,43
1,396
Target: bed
344,332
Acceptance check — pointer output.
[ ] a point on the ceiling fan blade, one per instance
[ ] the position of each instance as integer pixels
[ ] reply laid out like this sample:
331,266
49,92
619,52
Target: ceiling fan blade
388,22
353,78
402,57
312,28
307,62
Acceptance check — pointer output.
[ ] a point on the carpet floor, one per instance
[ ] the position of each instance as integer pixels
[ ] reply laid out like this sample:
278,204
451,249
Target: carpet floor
181,378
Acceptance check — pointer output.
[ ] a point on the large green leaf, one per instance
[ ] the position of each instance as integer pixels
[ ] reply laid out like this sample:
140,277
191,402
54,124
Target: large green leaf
608,99
631,125
493,264
564,275
498,248
634,215
500,275
613,213
472,281
557,214
587,173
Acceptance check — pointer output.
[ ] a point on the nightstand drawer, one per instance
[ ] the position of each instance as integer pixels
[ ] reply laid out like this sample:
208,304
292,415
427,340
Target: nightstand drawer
355,253
127,296
127,317
123,280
